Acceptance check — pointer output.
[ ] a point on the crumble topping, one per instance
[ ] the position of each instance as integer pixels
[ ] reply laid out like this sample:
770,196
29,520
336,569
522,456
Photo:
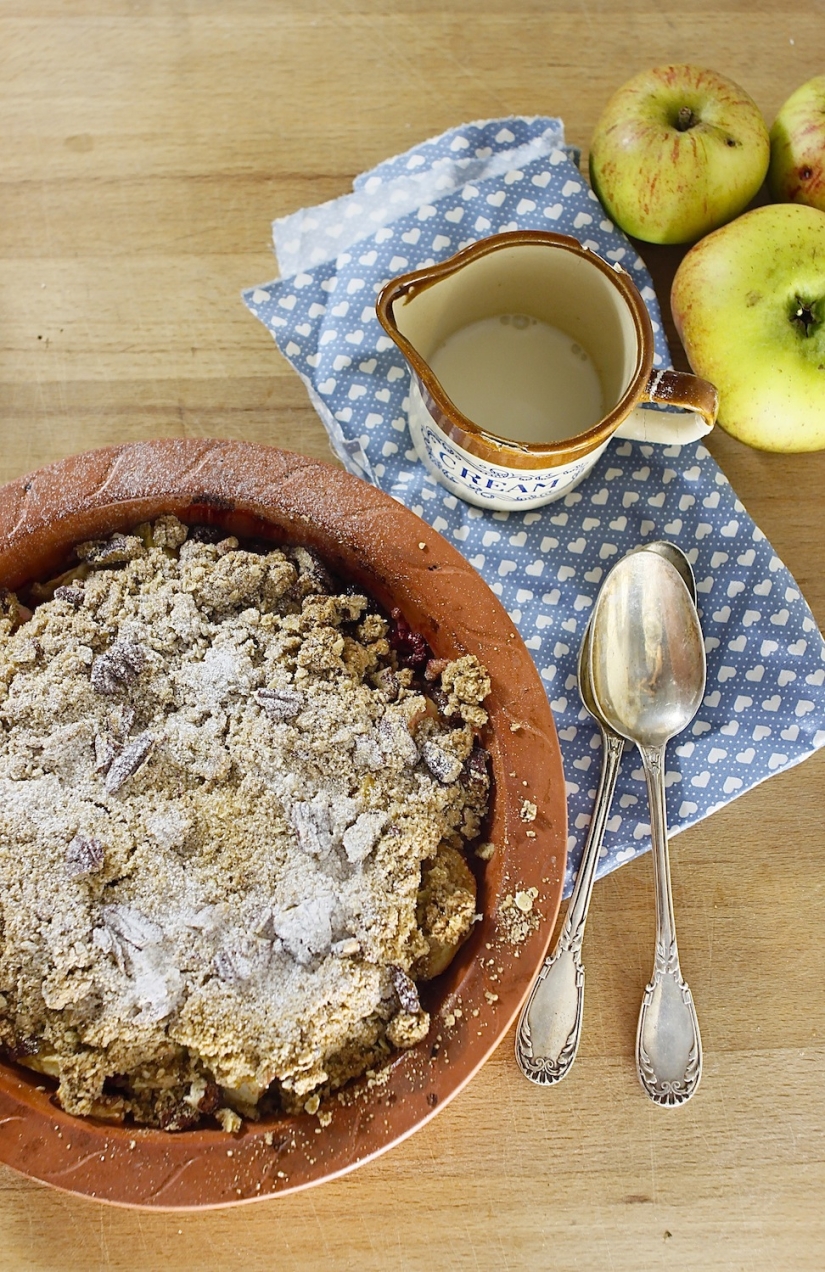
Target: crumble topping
233,803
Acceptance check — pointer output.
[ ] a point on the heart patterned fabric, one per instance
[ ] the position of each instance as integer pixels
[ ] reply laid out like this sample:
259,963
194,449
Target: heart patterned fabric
764,708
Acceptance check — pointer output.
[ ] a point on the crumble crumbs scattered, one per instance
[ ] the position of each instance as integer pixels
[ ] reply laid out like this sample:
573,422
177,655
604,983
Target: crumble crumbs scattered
516,916
528,811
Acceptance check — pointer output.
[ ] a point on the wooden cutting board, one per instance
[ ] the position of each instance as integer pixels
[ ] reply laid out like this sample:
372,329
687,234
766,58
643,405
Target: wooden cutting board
144,149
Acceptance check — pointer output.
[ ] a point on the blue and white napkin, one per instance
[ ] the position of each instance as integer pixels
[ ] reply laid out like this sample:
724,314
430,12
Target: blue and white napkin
764,710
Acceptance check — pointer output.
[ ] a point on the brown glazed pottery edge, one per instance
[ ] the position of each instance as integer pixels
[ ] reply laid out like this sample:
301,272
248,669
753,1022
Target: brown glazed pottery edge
252,489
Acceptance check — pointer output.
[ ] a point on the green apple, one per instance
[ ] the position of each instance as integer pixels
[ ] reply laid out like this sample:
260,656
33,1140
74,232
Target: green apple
677,152
797,171
749,305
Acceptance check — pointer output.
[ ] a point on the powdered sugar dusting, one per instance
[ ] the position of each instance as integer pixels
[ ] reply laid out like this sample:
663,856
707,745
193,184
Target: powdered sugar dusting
196,887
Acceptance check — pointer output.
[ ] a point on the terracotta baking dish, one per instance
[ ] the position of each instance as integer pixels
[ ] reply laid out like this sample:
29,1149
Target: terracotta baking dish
400,561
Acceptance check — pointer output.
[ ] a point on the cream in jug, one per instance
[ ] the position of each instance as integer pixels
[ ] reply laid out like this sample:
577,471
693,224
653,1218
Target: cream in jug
520,377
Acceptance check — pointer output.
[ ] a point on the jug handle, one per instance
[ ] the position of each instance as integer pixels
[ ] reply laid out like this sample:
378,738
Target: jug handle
673,388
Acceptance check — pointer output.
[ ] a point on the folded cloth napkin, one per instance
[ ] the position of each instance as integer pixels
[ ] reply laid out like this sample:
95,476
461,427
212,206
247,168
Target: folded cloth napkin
764,710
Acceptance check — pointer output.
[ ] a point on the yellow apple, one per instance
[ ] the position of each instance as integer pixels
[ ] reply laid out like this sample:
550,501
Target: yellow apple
797,171
749,306
677,152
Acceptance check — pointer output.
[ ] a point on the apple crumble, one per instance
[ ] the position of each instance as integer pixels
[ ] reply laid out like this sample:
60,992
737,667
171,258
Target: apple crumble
234,798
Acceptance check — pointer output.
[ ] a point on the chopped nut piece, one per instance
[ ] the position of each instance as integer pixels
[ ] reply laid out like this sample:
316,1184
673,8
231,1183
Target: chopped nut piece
117,550
406,989
84,856
440,763
394,739
132,926
446,709
118,667
476,766
280,704
72,595
485,851
388,683
312,822
128,762
528,811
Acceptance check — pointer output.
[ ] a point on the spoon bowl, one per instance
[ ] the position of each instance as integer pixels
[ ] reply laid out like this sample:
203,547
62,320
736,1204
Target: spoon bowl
647,655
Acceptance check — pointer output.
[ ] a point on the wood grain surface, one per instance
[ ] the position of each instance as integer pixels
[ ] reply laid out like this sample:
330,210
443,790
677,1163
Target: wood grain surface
145,146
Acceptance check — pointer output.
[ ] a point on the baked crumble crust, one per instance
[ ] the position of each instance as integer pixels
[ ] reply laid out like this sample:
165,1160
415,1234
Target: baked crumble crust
219,784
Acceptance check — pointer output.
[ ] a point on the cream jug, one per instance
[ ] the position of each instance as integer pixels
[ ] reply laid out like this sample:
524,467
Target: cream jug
528,353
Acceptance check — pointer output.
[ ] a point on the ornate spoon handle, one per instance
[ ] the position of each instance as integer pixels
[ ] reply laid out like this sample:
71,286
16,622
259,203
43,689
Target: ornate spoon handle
549,1028
668,1044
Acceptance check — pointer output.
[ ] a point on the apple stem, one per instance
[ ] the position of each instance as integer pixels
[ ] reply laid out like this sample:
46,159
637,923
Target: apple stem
685,119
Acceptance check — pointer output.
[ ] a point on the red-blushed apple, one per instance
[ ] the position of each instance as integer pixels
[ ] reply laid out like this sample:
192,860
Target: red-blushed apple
749,306
677,152
797,170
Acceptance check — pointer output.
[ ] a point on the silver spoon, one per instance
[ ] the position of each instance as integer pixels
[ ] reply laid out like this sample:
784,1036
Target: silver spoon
647,665
549,1029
